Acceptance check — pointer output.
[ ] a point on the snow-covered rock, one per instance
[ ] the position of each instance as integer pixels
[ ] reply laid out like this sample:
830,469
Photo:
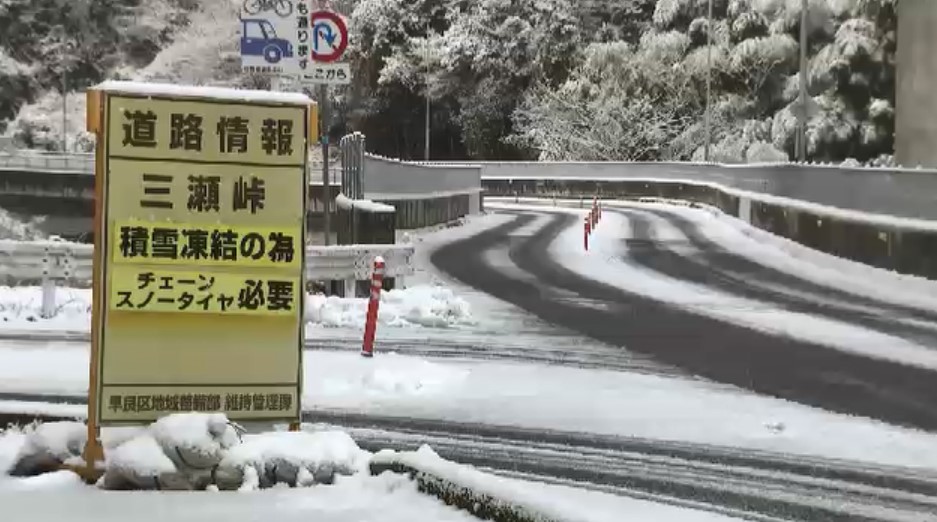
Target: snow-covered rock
293,458
47,446
177,452
140,463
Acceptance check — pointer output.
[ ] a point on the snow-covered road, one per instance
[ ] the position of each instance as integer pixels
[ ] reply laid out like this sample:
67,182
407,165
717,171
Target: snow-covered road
818,353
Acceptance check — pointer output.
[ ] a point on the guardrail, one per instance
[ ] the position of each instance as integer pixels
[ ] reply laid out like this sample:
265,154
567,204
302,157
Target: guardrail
83,163
899,192
904,245
909,193
48,262
48,162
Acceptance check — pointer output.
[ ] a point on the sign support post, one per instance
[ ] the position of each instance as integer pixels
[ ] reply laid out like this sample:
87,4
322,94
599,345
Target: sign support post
93,451
325,114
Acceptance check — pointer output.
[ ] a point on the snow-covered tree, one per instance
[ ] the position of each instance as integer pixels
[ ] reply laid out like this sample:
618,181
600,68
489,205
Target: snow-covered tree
609,79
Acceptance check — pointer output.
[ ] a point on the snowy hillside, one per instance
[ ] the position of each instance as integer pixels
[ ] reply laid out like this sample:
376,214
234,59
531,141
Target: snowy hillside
551,79
185,41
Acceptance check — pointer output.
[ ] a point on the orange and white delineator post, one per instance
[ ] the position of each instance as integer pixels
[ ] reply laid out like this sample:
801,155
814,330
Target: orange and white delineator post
370,325
587,229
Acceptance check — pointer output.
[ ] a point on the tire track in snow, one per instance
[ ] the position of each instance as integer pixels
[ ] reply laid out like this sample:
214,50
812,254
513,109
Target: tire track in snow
772,365
562,354
719,272
739,264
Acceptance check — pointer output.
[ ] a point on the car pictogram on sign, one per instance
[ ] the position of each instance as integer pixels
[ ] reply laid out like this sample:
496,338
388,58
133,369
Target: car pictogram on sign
259,38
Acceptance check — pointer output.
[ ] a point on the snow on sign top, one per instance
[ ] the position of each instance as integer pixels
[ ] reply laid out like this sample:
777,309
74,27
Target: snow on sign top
192,91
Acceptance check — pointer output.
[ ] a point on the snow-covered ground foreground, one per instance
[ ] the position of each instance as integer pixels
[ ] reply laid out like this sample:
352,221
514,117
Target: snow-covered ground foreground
330,475
360,498
535,396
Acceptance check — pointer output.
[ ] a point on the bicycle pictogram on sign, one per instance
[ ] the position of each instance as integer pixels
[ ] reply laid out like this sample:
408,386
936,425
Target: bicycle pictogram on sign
283,8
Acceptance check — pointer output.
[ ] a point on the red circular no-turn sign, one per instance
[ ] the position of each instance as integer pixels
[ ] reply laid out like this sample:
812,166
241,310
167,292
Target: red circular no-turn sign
329,36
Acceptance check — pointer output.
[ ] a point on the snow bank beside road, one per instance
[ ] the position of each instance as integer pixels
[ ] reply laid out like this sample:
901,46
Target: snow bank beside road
430,306
298,458
533,500
186,451
21,308
61,495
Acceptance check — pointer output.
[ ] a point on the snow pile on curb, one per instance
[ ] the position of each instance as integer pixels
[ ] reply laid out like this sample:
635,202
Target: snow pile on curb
500,499
356,381
22,305
294,458
45,447
418,306
486,496
186,451
175,452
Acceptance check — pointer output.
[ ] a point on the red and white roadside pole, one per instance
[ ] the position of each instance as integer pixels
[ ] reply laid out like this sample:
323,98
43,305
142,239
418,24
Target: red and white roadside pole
587,229
370,325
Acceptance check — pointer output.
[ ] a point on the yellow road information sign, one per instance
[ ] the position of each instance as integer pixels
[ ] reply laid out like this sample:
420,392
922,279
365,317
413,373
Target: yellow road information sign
165,243
136,289
205,131
198,294
257,401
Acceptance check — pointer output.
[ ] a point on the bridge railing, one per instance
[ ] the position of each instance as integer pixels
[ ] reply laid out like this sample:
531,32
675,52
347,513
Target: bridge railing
49,262
48,162
83,163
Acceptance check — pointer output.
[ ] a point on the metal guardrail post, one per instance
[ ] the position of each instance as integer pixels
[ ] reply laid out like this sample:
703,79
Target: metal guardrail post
48,286
343,147
359,165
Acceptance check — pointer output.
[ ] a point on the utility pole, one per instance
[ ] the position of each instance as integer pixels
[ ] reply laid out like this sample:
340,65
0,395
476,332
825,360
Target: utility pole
709,74
802,114
426,128
324,111
64,110
426,147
